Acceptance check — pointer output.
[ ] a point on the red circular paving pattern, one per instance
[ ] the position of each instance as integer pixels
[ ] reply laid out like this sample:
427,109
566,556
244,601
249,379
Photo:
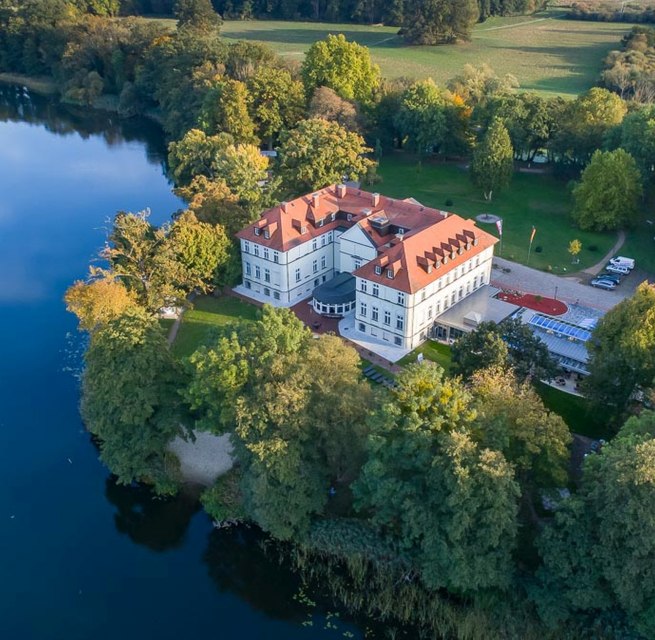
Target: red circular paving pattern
539,303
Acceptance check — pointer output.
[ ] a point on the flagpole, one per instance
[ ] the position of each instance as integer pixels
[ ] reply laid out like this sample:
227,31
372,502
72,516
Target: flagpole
530,246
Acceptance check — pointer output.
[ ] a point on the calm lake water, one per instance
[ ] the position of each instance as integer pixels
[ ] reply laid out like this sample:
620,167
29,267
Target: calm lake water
81,558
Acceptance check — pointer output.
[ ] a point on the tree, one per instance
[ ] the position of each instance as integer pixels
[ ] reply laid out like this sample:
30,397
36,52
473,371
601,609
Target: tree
130,399
512,419
447,503
439,21
478,84
637,137
326,104
200,249
584,123
421,117
622,351
481,348
98,301
597,552
575,246
225,110
528,355
345,67
607,196
277,102
196,14
317,153
492,163
194,155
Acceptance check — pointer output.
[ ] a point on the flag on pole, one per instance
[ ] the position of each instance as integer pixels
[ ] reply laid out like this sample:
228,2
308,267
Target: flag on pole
534,230
499,226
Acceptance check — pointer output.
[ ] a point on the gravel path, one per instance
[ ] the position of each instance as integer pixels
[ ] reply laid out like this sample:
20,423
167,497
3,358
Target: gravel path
205,459
568,289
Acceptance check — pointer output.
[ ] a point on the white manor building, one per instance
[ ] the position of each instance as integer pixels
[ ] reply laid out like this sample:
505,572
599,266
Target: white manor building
394,265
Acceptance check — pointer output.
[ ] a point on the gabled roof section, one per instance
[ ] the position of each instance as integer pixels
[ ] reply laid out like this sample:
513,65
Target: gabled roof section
425,255
292,223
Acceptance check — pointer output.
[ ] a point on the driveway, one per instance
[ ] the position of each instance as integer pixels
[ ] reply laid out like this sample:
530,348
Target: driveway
569,289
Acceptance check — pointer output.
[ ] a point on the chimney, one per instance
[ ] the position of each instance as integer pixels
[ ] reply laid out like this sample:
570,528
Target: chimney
341,190
375,199
283,206
316,199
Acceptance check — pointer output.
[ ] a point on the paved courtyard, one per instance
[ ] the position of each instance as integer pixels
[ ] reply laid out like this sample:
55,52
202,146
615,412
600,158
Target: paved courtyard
569,289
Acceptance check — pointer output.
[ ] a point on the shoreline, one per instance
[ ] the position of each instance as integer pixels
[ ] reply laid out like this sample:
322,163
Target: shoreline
43,85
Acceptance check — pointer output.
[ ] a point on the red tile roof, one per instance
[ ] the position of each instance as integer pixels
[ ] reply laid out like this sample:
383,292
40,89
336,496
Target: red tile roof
284,224
425,255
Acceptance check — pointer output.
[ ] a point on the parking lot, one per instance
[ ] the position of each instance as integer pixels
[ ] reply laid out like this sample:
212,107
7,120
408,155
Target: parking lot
510,275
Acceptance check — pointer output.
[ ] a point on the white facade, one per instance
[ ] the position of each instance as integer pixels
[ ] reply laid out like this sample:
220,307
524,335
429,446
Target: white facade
404,319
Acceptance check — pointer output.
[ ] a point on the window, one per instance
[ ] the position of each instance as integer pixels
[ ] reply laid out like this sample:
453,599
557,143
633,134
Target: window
257,231
276,256
333,216
276,295
430,312
362,309
400,323
297,275
258,272
378,270
376,290
246,246
266,254
303,230
320,222
267,275
267,233
248,284
267,292
390,274
439,306
401,298
362,327
358,263
248,269
452,298
316,282
364,287
400,231
398,341
315,266
323,262
423,295
256,249
323,240
387,317
330,235
349,217
374,314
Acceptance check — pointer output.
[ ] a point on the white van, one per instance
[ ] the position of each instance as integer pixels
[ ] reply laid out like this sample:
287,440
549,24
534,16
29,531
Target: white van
623,262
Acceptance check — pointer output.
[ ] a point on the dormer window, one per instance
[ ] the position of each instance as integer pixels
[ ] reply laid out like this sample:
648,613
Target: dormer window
460,251
320,222
256,231
401,231
429,268
333,216
303,230
475,242
349,217
390,274
267,234
378,270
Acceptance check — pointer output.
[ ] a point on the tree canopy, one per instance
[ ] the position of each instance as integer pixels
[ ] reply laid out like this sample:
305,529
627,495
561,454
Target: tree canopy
492,164
439,21
608,194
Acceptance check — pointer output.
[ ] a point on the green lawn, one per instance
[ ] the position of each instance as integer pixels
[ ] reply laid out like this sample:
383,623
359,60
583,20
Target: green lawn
531,199
431,350
574,410
546,53
207,314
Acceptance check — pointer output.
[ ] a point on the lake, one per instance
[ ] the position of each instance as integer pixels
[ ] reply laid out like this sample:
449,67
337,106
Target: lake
80,557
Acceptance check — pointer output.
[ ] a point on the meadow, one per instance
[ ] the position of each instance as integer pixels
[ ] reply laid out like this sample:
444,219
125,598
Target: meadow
546,53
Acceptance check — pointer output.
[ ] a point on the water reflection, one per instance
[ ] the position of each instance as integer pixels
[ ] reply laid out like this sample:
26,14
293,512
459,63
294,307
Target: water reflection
17,104
156,523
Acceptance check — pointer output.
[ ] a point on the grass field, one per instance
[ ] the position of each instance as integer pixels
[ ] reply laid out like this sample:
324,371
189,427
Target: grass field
207,314
546,53
431,350
531,199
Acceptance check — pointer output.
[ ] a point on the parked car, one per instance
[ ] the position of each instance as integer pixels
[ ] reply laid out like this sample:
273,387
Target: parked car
623,262
603,284
617,268
612,277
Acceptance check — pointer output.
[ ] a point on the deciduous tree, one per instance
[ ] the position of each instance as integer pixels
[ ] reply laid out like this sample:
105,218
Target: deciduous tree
225,110
317,153
196,14
492,163
481,348
608,194
439,21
